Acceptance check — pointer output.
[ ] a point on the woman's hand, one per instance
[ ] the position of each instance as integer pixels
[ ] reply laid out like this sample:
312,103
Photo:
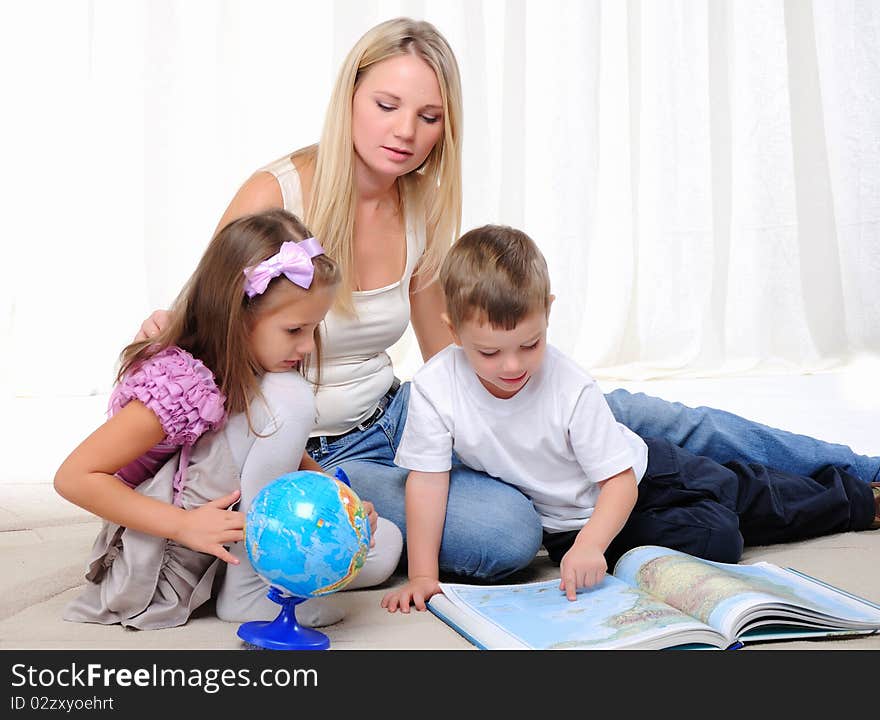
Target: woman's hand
153,325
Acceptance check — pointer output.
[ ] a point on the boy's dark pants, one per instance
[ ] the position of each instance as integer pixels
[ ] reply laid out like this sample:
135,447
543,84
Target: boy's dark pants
696,505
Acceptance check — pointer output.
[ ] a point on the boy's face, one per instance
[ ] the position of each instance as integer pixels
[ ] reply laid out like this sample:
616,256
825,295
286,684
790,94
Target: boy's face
503,360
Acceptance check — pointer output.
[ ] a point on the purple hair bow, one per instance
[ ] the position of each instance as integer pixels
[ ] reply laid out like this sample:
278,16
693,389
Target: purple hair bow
294,260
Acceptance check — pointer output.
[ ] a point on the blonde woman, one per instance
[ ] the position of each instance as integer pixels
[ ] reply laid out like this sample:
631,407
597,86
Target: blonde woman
382,192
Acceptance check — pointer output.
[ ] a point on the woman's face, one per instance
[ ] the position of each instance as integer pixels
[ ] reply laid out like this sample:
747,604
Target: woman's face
397,115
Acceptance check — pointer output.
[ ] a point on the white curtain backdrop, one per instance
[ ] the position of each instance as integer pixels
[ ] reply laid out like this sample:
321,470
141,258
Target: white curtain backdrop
703,176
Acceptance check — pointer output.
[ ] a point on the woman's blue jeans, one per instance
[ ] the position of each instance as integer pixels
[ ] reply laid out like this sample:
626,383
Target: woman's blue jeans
723,436
492,529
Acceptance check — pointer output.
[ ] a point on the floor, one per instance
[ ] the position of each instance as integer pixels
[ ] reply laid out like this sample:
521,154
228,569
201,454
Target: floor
44,540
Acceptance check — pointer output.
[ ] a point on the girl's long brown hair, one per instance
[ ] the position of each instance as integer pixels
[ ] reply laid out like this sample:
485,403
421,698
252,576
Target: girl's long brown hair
211,317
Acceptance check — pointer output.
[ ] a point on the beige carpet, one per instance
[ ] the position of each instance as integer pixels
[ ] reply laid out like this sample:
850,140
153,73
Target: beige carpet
44,540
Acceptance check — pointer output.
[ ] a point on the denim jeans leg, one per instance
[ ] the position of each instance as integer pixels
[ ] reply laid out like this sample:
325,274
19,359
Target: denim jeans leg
724,436
491,529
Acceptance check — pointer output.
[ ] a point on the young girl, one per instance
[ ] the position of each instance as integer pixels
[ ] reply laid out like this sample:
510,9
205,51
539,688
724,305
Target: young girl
203,416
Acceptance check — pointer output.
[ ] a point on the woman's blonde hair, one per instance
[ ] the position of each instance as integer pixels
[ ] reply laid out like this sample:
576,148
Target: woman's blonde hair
212,316
434,188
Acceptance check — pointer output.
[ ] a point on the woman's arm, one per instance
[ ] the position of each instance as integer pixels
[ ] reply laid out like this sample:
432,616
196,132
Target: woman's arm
259,192
426,307
262,192
86,479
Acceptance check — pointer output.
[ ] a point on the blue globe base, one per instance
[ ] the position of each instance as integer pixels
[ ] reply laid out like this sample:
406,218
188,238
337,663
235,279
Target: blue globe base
283,633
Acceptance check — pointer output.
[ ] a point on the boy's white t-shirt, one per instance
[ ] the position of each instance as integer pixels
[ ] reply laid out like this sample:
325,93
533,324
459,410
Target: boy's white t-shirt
554,440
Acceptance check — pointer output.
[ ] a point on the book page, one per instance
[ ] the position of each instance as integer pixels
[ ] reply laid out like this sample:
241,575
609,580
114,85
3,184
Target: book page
730,597
538,615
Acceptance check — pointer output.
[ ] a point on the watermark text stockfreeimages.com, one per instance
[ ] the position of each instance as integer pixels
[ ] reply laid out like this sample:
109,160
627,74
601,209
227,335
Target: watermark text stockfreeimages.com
210,680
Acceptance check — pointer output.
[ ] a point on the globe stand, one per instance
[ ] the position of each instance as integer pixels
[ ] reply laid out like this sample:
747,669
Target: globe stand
283,633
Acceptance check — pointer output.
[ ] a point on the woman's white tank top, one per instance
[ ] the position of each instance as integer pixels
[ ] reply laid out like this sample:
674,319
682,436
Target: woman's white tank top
356,369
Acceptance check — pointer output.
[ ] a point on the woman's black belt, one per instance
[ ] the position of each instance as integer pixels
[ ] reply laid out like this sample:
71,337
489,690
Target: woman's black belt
314,443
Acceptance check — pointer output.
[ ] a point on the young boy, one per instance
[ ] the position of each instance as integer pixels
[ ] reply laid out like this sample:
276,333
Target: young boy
512,406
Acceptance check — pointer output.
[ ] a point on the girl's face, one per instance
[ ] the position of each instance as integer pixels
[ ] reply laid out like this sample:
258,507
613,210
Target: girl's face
283,332
397,115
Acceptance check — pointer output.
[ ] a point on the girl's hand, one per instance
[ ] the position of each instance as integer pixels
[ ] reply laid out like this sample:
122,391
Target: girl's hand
418,591
153,325
208,528
373,517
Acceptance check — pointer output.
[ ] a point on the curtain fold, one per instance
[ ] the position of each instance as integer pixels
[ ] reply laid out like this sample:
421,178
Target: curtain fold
702,176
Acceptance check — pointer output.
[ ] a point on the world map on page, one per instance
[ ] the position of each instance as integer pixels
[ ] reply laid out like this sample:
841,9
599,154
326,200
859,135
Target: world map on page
540,615
709,591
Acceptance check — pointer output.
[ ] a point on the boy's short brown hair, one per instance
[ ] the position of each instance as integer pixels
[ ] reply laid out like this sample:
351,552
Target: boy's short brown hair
496,273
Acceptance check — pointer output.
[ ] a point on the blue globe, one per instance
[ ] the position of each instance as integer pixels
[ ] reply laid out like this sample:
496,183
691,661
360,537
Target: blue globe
307,534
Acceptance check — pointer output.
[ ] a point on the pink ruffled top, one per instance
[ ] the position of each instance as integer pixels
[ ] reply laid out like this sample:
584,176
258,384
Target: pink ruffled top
182,393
